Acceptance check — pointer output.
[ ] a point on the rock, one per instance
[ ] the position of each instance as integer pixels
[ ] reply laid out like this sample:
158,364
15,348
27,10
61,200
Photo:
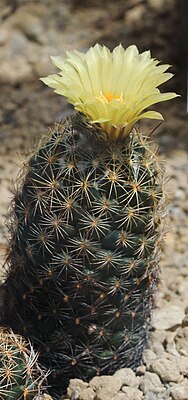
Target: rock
168,317
151,383
169,344
107,387
75,395
150,396
87,394
157,5
181,340
21,72
44,397
76,387
120,396
130,393
4,36
141,370
104,394
182,363
157,336
167,371
148,356
180,392
157,348
127,377
111,383
156,340
134,15
185,321
31,26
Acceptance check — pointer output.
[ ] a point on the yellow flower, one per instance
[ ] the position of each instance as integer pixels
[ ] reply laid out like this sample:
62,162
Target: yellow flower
111,88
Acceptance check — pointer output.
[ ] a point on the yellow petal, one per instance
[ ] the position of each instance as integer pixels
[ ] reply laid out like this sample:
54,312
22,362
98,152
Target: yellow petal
113,89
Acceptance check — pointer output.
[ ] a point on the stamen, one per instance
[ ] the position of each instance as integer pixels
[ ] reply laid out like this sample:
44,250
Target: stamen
108,97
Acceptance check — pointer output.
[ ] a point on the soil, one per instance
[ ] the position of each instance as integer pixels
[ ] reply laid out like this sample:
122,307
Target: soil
30,31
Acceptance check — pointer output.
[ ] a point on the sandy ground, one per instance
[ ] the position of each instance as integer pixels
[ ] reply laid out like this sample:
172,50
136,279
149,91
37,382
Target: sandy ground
29,32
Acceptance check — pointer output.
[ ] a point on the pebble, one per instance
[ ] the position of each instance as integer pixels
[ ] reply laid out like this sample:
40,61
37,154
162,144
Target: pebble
181,340
30,25
156,336
112,383
185,321
76,386
180,392
141,370
150,396
87,394
148,357
156,4
75,395
20,41
182,363
156,347
165,370
104,394
120,396
127,377
130,393
169,343
151,382
168,318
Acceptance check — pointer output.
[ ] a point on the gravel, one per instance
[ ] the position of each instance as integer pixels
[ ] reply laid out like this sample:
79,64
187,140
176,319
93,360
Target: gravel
27,36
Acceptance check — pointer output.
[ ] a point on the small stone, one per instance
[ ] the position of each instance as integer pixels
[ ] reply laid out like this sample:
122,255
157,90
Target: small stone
157,348
157,336
181,340
120,396
21,72
134,15
131,393
44,397
31,26
150,396
167,371
148,356
156,4
156,340
170,345
4,36
76,386
169,317
87,394
182,363
185,321
127,377
111,383
151,383
75,395
160,5
180,392
141,370
104,394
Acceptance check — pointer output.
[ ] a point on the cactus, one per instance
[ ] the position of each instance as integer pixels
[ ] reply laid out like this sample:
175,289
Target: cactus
87,220
20,376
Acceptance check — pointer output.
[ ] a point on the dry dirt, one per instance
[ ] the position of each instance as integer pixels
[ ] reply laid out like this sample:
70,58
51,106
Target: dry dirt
29,32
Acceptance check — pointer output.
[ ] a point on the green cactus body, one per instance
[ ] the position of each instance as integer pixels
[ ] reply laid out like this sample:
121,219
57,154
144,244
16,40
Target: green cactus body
20,376
83,260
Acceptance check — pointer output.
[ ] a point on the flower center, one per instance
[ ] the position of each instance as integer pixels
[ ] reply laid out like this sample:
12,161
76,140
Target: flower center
108,97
